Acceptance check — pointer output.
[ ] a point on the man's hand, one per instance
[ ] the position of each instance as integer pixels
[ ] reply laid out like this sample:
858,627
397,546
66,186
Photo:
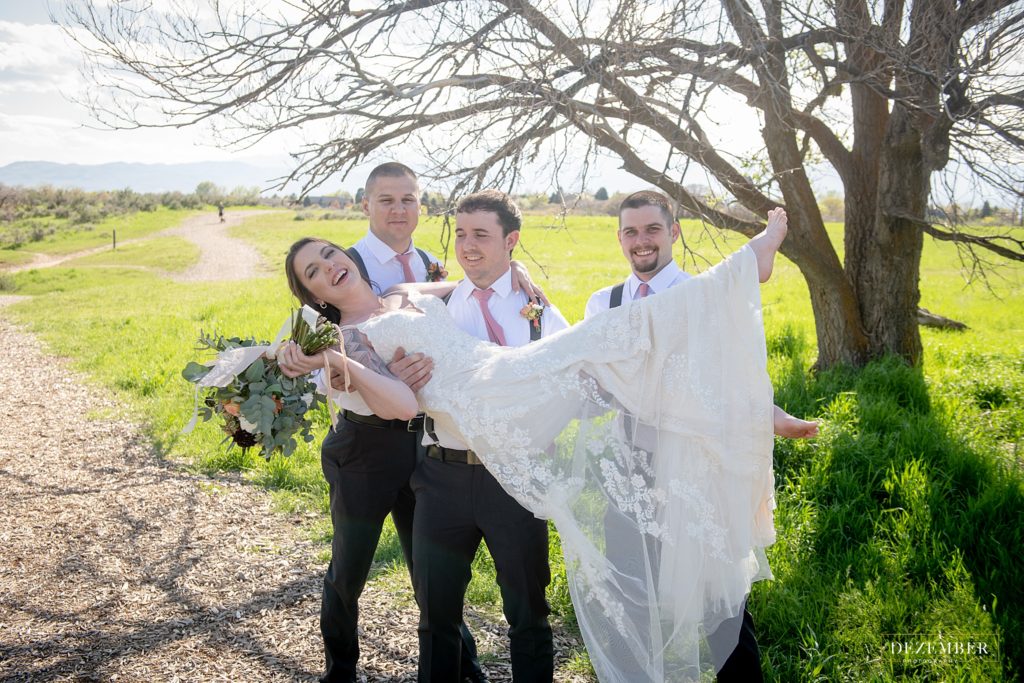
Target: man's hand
521,280
414,370
338,381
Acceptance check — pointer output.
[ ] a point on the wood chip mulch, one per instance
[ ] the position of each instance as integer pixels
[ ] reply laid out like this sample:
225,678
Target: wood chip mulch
117,565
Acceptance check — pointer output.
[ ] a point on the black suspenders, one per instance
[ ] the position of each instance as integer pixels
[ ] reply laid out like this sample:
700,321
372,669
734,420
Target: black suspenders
354,254
616,297
426,259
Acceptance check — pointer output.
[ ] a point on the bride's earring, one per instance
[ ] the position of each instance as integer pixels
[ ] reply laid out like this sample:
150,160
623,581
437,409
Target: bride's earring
322,304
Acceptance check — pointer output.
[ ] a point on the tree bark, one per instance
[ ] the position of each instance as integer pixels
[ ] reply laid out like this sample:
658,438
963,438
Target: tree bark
884,250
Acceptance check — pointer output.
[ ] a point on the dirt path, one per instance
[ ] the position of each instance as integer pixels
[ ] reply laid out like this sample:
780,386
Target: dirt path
221,257
49,260
120,566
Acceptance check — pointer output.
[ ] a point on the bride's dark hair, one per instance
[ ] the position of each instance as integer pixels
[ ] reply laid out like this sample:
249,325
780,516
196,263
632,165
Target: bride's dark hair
299,289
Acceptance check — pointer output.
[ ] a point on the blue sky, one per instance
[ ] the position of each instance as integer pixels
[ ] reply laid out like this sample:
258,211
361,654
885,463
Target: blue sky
39,120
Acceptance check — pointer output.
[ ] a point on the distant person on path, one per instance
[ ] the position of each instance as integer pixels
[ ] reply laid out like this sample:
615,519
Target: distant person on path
220,212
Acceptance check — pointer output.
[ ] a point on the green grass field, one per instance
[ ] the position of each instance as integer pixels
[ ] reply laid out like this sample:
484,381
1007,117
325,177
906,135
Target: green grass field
898,527
68,238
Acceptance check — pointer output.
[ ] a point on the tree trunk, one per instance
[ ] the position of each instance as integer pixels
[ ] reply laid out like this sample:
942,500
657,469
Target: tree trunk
883,250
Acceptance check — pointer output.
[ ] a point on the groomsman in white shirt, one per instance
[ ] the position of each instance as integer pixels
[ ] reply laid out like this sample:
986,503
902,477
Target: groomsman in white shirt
391,200
647,230
367,460
458,502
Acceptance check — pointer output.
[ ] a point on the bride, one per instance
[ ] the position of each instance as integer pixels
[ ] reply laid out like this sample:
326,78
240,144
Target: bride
644,433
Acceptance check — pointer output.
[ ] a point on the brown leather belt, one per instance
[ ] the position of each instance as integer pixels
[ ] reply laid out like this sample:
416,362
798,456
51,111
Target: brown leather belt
413,425
451,455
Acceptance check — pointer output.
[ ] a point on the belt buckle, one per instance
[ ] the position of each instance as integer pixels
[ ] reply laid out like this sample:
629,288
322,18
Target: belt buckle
414,425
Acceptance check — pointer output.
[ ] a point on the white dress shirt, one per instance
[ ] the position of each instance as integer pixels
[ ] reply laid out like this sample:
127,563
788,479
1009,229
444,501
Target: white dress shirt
383,266
669,276
504,305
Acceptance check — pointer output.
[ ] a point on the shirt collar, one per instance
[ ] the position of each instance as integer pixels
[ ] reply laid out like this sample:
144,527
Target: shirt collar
659,283
502,286
382,252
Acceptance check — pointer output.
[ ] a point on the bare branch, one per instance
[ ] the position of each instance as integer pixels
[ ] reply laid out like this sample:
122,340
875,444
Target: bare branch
994,243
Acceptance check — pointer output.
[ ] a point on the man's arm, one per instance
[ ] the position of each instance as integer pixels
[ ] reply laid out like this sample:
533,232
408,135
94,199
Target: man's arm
414,370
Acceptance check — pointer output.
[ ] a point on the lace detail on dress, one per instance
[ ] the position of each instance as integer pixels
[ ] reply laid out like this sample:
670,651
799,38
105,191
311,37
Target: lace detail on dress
645,434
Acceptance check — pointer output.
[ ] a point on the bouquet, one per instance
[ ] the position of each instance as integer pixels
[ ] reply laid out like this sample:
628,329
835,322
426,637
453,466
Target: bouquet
243,386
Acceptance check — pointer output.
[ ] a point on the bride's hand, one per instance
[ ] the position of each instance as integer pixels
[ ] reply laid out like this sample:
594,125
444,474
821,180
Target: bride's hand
521,280
293,362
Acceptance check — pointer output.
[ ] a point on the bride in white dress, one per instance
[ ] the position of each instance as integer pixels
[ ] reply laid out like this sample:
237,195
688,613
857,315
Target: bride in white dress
643,433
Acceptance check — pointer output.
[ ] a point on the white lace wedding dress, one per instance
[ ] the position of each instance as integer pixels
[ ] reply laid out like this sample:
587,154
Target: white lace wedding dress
645,434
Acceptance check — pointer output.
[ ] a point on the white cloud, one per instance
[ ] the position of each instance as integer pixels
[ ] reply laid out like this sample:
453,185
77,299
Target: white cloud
37,58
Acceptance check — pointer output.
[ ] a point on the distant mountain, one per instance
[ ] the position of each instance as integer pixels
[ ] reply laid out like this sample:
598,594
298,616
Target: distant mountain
139,177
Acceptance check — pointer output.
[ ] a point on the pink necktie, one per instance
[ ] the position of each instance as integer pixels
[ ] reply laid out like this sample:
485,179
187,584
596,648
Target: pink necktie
406,268
643,290
494,331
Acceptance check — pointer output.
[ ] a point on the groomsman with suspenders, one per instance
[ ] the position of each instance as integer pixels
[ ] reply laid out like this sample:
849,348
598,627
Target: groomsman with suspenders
647,230
458,502
368,460
391,201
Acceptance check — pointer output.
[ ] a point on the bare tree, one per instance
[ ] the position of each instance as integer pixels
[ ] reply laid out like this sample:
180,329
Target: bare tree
885,91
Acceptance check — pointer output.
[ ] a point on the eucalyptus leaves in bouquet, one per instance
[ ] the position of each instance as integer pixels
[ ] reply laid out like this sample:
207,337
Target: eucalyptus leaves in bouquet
243,386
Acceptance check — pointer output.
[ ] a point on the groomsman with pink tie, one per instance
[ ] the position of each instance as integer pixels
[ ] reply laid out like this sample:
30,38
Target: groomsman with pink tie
458,502
367,461
647,230
391,201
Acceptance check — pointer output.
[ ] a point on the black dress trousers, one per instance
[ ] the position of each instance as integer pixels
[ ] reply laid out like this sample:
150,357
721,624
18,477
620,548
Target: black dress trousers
457,505
367,470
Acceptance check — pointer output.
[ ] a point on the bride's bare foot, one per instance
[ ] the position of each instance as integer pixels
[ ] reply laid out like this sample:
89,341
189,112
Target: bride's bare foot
790,427
767,242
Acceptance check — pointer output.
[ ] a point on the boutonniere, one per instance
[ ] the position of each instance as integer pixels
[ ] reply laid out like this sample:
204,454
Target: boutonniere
532,311
436,272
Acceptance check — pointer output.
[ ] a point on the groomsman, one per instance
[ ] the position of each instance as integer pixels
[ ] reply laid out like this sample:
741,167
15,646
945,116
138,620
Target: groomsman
368,475
647,230
387,254
391,201
458,502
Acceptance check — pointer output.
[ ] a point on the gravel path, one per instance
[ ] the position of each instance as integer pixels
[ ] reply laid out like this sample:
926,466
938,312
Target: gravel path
117,565
49,261
220,257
